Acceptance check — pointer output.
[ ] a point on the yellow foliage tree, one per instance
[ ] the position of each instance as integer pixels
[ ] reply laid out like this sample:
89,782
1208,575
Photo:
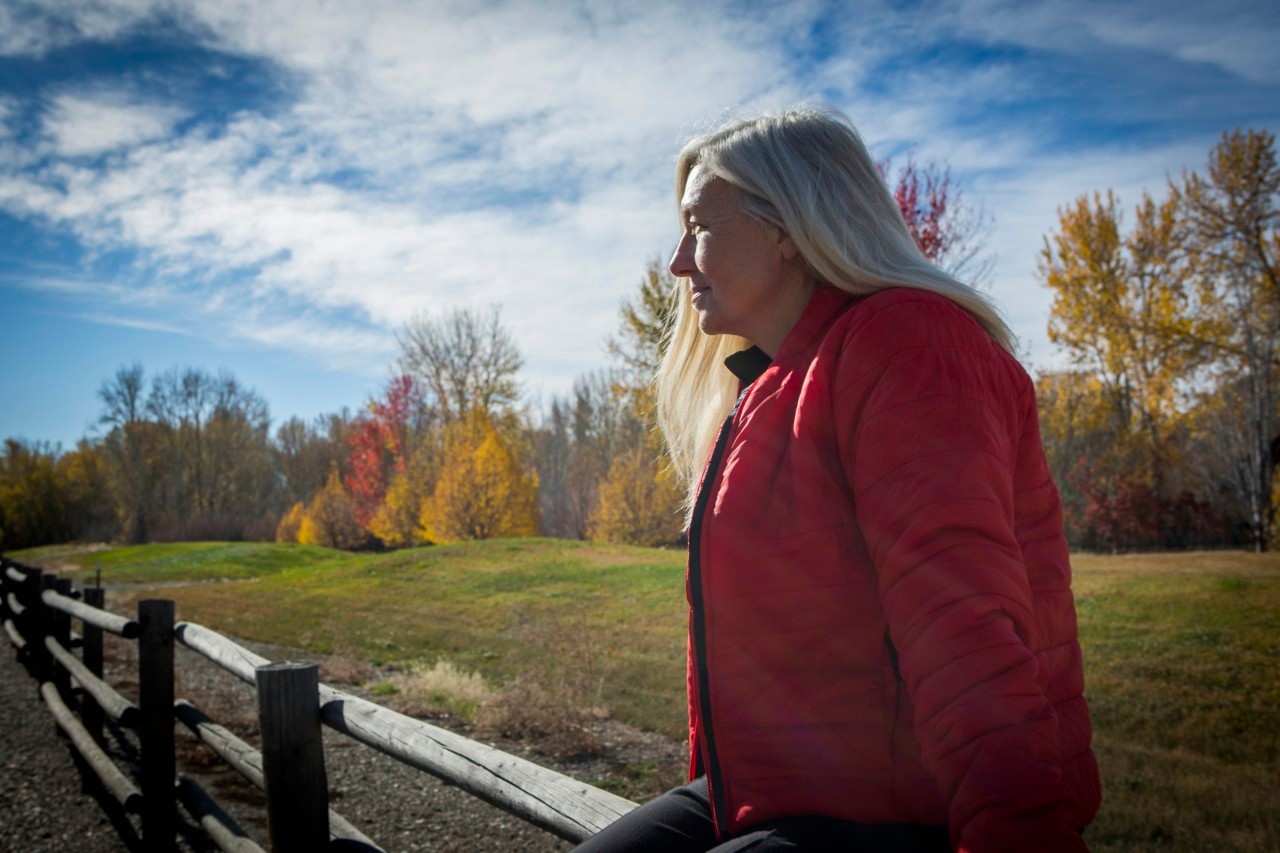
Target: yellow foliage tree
291,523
330,519
397,521
1232,230
484,491
1123,311
639,503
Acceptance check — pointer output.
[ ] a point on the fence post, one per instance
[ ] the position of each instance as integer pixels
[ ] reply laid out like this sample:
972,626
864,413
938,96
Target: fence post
91,655
155,723
293,756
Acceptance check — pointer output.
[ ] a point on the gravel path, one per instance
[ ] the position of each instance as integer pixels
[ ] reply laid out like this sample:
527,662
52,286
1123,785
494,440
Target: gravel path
43,807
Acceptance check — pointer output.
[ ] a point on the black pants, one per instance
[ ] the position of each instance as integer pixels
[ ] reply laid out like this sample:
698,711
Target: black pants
680,822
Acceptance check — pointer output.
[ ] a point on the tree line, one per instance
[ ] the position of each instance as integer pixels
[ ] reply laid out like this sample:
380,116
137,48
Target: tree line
1162,433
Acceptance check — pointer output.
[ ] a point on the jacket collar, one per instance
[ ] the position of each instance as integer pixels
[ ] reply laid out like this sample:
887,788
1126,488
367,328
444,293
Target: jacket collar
748,364
825,304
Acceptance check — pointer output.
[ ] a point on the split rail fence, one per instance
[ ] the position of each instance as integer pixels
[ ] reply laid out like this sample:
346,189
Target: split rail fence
38,610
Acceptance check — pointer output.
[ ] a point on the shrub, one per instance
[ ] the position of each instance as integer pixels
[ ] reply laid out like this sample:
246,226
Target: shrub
291,523
555,700
440,688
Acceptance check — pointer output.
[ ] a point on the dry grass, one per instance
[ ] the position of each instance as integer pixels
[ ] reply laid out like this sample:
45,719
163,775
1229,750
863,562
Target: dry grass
441,688
556,697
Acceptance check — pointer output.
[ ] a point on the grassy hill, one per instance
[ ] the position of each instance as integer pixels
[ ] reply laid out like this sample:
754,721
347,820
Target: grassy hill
1181,649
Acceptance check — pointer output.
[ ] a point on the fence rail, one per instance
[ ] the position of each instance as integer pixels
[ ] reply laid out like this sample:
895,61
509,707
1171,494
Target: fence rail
37,611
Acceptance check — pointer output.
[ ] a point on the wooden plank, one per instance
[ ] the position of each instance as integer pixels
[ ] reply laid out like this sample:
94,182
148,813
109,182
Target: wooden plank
91,712
14,637
60,632
235,659
557,803
118,625
340,829
247,761
293,756
155,724
222,827
243,758
117,707
112,779
40,627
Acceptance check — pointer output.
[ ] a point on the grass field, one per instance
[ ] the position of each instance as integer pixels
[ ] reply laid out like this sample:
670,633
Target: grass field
1181,649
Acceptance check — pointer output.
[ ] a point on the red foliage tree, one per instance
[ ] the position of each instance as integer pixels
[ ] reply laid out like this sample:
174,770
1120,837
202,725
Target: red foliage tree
949,231
379,445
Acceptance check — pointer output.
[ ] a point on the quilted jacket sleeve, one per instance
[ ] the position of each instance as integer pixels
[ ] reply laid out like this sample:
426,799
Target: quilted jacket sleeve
930,418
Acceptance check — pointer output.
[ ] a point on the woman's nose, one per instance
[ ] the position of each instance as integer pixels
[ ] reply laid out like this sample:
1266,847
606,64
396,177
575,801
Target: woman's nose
682,260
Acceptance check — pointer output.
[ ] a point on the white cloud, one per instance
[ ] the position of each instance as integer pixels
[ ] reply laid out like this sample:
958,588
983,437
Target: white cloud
106,319
83,124
34,27
517,153
446,116
1238,36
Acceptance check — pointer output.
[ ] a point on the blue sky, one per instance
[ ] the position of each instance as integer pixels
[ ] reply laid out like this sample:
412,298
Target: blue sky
273,187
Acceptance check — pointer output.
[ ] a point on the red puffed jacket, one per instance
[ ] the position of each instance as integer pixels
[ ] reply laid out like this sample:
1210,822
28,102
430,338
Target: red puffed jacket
881,621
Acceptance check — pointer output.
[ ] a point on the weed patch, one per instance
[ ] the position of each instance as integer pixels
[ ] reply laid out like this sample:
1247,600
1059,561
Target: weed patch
442,688
555,699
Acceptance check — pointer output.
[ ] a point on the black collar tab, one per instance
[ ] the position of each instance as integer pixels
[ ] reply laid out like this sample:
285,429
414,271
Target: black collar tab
748,364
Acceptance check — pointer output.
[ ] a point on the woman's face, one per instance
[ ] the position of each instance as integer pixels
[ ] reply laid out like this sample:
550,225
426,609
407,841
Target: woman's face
742,275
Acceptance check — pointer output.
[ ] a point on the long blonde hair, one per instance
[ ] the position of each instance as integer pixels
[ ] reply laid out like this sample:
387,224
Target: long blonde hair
807,172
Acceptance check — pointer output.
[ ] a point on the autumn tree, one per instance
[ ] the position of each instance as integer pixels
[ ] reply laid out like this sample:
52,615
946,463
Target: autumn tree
950,231
582,436
82,477
398,521
646,319
131,447
33,508
218,460
304,453
483,491
380,445
1178,320
1120,310
1230,227
466,361
290,524
330,519
639,503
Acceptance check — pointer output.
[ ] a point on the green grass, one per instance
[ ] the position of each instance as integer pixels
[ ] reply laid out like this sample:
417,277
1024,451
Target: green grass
184,561
1181,650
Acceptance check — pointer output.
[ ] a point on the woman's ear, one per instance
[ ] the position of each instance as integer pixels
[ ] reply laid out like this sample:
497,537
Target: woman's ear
787,246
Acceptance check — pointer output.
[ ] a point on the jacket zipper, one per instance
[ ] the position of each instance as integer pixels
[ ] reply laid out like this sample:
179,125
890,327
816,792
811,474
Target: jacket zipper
715,788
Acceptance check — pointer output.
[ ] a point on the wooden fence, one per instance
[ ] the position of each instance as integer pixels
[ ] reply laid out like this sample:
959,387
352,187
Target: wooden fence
38,610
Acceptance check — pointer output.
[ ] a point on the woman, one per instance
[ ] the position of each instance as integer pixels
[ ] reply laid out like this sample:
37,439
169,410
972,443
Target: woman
882,645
